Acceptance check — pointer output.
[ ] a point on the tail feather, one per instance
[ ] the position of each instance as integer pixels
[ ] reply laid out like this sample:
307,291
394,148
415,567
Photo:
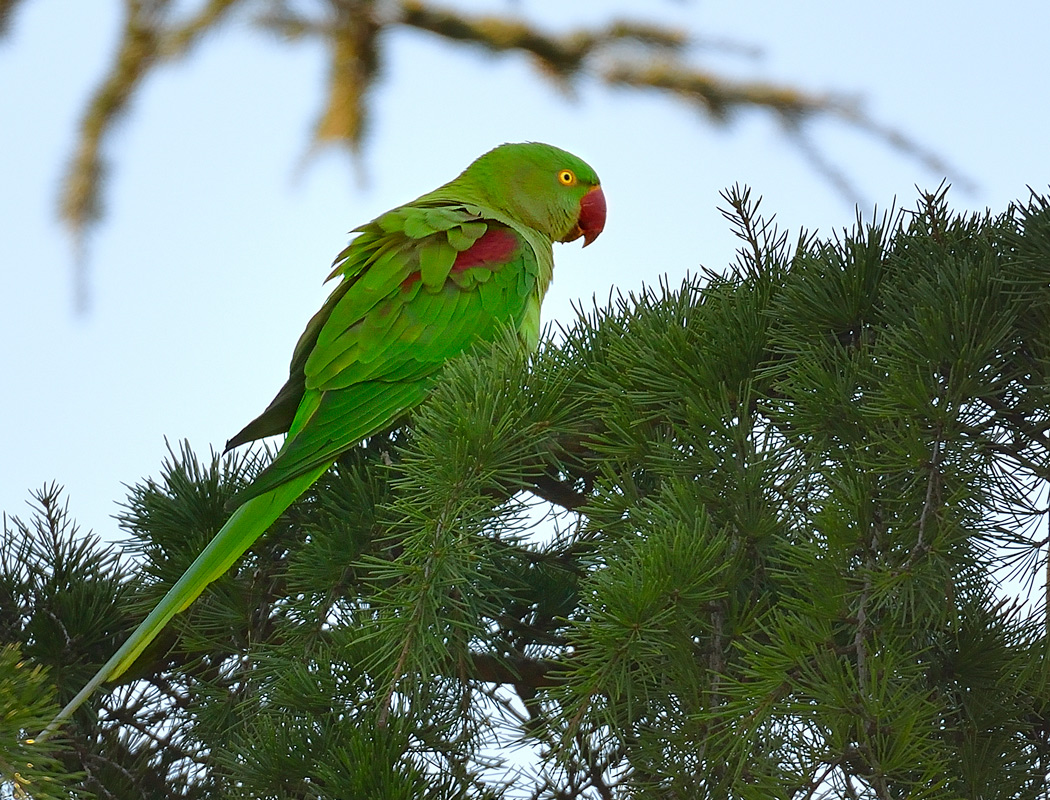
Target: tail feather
246,524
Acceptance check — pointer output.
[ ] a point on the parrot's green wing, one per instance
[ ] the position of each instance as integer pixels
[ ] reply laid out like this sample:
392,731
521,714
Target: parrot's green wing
419,285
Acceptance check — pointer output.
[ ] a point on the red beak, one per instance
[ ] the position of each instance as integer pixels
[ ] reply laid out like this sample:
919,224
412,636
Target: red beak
591,221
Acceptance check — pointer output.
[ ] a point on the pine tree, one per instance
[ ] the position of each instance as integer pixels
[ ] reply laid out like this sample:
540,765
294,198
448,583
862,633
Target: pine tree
777,532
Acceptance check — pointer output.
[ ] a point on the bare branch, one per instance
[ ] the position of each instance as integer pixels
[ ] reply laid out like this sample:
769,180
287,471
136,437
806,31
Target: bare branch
80,202
7,8
631,54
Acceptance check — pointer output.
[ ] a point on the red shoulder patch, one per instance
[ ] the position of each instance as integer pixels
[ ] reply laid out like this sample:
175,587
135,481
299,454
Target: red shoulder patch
495,246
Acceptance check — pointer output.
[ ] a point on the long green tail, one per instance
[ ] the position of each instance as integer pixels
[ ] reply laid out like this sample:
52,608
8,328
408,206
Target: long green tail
246,525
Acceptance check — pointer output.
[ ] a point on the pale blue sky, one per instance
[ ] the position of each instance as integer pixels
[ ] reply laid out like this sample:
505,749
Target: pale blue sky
217,235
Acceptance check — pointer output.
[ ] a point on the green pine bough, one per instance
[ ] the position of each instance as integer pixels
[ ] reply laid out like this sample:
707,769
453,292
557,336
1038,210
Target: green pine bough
419,285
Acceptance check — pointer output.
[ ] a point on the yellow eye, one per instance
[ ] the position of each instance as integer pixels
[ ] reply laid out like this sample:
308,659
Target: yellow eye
566,177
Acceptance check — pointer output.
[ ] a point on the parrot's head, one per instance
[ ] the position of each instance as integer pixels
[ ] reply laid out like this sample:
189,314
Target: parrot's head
544,187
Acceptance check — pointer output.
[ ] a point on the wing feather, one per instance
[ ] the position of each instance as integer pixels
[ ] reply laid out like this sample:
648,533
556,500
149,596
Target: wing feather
401,310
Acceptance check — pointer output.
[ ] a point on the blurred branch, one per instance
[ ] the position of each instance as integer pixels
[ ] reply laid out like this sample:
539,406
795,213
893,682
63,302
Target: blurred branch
354,64
179,40
81,204
718,96
622,53
7,8
560,57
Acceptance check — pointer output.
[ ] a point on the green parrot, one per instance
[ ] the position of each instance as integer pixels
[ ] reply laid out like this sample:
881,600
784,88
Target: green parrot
418,285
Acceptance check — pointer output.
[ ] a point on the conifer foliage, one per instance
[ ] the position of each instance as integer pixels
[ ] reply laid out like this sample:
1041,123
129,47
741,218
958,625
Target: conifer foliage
779,532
